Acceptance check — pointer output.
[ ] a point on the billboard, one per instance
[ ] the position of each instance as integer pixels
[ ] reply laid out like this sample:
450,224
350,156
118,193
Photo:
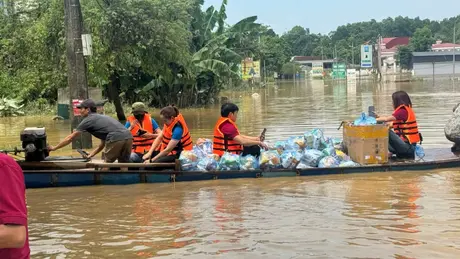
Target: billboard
250,69
339,71
366,56
317,69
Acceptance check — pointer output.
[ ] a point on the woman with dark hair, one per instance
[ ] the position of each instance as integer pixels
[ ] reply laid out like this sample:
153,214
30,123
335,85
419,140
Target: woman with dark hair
405,135
174,137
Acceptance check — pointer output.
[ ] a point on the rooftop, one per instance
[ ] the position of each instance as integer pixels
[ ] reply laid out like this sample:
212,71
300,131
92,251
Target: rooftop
435,53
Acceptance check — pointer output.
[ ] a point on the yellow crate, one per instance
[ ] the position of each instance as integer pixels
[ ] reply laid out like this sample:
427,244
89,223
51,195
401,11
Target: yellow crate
366,144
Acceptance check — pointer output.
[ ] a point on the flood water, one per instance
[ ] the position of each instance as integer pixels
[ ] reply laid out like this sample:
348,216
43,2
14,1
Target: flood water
379,215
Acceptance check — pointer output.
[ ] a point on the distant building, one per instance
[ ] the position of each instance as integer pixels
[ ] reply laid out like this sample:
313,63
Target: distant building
307,61
440,46
437,63
389,49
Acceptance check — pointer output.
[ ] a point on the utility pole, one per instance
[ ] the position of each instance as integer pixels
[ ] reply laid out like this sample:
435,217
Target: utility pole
353,53
379,57
453,55
76,67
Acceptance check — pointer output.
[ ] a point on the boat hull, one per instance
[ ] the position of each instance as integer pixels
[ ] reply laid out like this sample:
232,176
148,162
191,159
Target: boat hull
84,176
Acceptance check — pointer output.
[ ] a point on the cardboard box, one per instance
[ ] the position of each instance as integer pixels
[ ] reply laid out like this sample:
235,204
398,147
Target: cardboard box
366,144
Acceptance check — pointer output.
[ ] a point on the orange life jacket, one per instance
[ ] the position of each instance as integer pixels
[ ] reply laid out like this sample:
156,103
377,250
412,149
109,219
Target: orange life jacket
186,140
141,145
221,143
407,130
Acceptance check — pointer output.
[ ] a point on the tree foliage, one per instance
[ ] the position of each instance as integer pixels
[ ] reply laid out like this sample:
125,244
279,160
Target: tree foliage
172,51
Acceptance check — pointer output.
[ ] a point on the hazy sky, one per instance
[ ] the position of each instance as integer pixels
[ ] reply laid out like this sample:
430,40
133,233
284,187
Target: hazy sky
325,16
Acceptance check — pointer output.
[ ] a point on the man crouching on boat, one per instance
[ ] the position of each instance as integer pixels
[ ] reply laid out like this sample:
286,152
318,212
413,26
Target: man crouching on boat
227,137
116,139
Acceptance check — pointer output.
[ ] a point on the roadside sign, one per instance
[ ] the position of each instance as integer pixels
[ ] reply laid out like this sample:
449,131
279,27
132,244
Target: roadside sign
317,70
366,56
339,71
87,44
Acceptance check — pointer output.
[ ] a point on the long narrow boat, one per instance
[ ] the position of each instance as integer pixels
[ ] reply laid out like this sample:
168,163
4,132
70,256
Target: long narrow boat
74,172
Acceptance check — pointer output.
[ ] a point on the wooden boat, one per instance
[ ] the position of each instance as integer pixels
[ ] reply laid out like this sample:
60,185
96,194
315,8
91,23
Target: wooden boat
79,172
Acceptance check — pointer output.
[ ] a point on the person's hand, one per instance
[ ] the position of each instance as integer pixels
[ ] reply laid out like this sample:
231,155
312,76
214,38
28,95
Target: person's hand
263,145
262,137
147,156
147,161
375,115
51,148
147,135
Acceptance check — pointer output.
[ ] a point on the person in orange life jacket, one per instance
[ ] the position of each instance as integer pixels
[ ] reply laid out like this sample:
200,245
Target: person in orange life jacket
405,135
227,138
144,130
174,137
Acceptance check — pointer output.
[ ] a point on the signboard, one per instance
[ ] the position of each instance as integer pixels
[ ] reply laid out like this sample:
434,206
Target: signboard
339,71
351,74
317,69
87,43
76,111
250,69
366,56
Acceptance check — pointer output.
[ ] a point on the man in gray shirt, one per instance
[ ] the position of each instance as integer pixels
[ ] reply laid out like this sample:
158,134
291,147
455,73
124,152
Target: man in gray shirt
116,139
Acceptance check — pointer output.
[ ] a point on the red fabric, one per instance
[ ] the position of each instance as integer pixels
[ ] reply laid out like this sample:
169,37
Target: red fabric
13,208
229,130
401,114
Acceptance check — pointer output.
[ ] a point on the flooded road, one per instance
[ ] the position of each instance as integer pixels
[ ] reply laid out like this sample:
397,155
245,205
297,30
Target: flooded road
287,109
403,215
397,215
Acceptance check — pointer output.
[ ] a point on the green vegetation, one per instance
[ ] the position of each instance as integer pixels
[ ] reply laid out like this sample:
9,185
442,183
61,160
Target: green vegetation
10,108
170,51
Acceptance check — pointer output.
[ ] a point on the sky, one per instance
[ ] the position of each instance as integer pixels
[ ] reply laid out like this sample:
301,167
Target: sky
324,16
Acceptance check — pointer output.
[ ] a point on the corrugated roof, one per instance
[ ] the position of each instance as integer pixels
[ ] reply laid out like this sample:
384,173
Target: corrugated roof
434,53
444,45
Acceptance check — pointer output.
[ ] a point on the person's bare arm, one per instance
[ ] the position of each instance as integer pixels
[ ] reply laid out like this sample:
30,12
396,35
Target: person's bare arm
251,138
171,145
242,140
386,118
154,146
67,140
97,150
12,236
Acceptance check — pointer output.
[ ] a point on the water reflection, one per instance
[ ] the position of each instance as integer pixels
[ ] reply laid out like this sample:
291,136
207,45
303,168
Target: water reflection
384,215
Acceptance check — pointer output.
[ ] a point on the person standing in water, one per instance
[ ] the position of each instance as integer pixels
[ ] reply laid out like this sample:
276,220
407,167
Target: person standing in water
405,134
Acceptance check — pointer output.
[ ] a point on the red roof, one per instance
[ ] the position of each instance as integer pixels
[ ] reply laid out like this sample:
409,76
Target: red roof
387,40
444,45
398,41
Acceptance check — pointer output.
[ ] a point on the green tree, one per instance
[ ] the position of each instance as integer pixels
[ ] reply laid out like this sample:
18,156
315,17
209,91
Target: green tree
422,39
404,56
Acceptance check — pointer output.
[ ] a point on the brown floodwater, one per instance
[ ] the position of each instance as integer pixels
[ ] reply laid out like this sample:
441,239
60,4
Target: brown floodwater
378,215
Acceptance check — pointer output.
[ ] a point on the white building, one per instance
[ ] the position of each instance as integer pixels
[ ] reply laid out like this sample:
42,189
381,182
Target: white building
437,63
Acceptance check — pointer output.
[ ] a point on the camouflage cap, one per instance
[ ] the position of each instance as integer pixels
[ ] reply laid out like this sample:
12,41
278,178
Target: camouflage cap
138,107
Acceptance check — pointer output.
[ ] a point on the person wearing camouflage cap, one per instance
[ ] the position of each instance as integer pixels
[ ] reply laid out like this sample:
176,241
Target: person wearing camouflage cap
144,130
